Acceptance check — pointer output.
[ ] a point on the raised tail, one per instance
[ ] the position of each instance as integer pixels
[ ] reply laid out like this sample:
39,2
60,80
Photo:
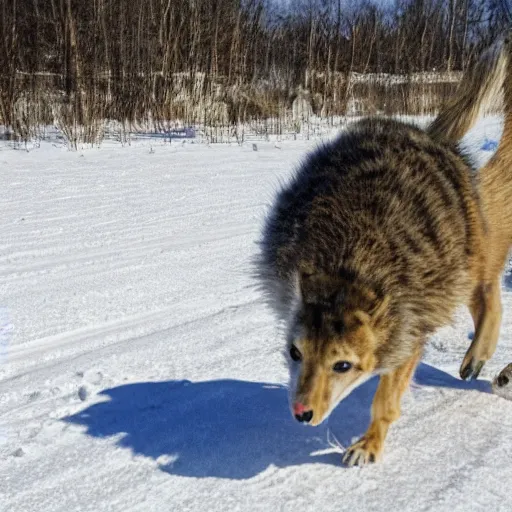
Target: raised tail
496,180
504,152
478,90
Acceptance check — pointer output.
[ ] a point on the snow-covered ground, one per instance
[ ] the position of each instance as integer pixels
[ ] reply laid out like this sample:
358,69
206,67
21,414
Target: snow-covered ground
143,372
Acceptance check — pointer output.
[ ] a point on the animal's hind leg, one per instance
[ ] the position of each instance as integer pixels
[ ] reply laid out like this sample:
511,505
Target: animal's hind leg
485,309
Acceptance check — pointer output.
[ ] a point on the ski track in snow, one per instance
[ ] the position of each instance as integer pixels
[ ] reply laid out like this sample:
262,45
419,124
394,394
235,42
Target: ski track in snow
144,373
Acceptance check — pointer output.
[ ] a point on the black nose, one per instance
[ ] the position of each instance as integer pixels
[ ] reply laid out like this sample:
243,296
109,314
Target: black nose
305,417
502,380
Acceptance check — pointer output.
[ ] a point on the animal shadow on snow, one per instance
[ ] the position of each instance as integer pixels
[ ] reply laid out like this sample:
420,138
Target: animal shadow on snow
229,428
507,280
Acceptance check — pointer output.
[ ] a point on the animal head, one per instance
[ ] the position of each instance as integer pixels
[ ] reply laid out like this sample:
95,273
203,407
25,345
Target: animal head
333,343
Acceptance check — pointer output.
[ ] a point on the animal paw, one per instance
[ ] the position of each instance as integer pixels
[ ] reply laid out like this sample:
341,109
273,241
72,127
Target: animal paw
471,368
365,451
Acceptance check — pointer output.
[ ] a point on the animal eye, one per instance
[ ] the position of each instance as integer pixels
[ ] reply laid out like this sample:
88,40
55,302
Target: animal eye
342,366
295,353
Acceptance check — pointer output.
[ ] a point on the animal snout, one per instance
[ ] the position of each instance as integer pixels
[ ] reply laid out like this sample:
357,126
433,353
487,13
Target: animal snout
302,413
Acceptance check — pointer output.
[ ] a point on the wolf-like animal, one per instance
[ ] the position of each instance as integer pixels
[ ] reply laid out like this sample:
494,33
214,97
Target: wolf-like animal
376,240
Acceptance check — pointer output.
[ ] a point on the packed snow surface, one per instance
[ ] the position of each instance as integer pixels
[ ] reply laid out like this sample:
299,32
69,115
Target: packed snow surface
141,370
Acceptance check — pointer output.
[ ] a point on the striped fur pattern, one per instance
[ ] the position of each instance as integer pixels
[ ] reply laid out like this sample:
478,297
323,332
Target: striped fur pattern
376,240
383,211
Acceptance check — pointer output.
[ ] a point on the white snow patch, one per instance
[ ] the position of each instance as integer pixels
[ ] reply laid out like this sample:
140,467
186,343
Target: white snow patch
126,273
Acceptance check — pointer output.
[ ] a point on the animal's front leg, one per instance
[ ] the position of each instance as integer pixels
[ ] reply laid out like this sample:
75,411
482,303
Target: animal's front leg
385,410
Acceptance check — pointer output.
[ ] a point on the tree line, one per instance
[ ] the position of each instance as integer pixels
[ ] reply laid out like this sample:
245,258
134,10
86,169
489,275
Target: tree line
229,61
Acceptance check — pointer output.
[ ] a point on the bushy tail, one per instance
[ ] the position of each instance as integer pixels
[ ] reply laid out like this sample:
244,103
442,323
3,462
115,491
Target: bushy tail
478,90
496,176
496,181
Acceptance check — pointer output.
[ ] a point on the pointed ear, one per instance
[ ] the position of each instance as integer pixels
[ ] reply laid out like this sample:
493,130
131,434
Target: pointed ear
374,312
362,317
379,309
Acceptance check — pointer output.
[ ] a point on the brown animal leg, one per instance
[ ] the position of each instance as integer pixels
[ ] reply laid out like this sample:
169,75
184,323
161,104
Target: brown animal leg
385,410
485,308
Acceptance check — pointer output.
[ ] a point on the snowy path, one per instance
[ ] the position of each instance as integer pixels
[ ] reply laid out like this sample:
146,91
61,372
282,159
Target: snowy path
144,373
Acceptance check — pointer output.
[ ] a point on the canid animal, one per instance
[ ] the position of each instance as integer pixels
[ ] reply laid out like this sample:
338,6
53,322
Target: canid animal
373,244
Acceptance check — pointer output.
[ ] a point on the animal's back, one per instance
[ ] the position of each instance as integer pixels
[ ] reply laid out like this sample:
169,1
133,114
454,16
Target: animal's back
383,203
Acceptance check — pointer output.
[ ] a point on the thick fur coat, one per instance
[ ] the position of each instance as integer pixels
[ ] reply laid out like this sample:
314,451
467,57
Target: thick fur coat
376,240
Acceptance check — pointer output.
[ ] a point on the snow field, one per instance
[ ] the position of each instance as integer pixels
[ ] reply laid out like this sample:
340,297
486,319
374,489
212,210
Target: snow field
141,370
